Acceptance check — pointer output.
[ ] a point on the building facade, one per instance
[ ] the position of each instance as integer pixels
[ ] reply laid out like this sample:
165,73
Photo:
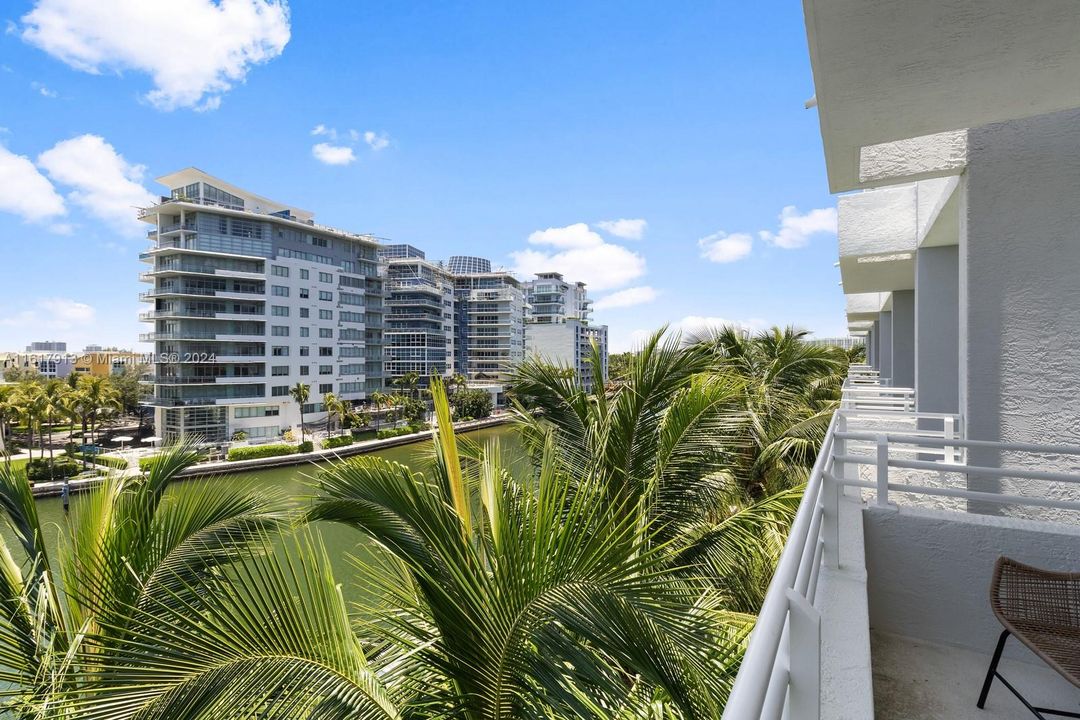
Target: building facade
490,329
419,316
557,326
250,297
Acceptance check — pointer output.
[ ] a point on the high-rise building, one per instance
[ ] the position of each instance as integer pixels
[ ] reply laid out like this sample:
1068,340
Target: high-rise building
47,346
250,297
557,325
490,328
419,333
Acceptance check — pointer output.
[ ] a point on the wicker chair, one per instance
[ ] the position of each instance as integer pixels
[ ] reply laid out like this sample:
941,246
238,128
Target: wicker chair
1042,609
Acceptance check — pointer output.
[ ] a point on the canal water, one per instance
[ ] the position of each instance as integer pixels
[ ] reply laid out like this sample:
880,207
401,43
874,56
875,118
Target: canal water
342,543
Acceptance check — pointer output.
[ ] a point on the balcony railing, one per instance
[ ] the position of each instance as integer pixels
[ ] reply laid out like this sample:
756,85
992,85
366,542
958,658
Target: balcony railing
892,456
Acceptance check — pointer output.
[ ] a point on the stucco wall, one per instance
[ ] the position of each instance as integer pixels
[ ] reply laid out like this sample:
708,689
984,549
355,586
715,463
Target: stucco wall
929,572
1021,314
885,345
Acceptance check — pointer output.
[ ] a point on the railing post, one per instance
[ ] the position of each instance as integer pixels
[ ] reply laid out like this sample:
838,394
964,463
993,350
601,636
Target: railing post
831,487
882,470
804,652
949,433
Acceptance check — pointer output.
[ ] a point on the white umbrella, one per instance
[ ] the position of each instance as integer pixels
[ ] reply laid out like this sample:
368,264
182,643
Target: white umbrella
151,439
122,439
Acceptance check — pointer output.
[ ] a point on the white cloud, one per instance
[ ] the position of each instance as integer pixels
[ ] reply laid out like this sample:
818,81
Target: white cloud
194,50
333,154
52,314
721,247
321,129
24,191
796,230
626,298
581,255
624,228
43,90
103,183
376,141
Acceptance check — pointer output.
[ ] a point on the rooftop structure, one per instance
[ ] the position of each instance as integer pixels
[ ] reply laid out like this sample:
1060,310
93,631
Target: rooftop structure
468,265
956,123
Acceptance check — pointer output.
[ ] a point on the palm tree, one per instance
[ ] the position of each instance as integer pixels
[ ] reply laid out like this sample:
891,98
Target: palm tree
334,407
98,397
8,412
378,399
301,392
53,402
791,389
29,403
671,440
132,545
408,382
488,597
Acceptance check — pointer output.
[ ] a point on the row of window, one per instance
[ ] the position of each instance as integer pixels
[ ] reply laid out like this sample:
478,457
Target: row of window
283,351
283,391
282,271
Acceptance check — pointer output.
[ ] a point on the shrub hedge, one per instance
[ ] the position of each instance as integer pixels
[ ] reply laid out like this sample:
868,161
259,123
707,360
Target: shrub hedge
398,432
337,441
252,452
37,470
305,447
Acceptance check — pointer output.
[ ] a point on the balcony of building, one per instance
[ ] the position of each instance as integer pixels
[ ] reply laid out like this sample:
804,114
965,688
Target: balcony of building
879,607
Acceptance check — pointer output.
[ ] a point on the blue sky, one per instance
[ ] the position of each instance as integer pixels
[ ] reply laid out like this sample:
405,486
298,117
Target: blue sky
518,131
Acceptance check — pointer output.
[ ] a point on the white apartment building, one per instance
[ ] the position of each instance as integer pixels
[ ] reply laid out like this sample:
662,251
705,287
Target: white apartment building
557,326
249,297
952,130
490,333
419,315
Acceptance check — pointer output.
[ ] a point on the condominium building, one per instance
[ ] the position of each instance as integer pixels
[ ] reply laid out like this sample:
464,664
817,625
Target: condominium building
557,326
490,331
419,315
249,297
47,346
952,130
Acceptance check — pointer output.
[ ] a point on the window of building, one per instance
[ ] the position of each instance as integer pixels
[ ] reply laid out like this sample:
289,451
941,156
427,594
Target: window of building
279,330
326,388
279,390
326,333
304,312
280,351
326,369
303,274
304,332
346,316
279,310
305,351
326,314
326,277
279,370
326,295
350,298
257,411
351,387
305,293
280,291
279,270
304,369
326,352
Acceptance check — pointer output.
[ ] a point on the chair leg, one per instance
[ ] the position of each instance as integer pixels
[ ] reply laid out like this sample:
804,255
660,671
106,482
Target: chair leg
992,669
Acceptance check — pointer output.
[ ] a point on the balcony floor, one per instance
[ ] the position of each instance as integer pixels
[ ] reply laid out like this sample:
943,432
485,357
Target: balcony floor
917,680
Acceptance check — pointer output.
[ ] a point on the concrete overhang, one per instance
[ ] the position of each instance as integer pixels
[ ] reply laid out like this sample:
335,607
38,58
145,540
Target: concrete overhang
866,307
880,231
889,70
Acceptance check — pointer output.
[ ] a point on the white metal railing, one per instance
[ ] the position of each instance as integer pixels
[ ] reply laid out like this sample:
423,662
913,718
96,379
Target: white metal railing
780,676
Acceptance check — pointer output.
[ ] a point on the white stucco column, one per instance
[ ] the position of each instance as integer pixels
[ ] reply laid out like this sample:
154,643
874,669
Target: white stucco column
885,345
875,344
903,338
937,329
1020,289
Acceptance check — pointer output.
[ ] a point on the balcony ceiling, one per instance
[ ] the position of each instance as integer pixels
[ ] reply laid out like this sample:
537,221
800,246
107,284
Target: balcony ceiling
887,70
